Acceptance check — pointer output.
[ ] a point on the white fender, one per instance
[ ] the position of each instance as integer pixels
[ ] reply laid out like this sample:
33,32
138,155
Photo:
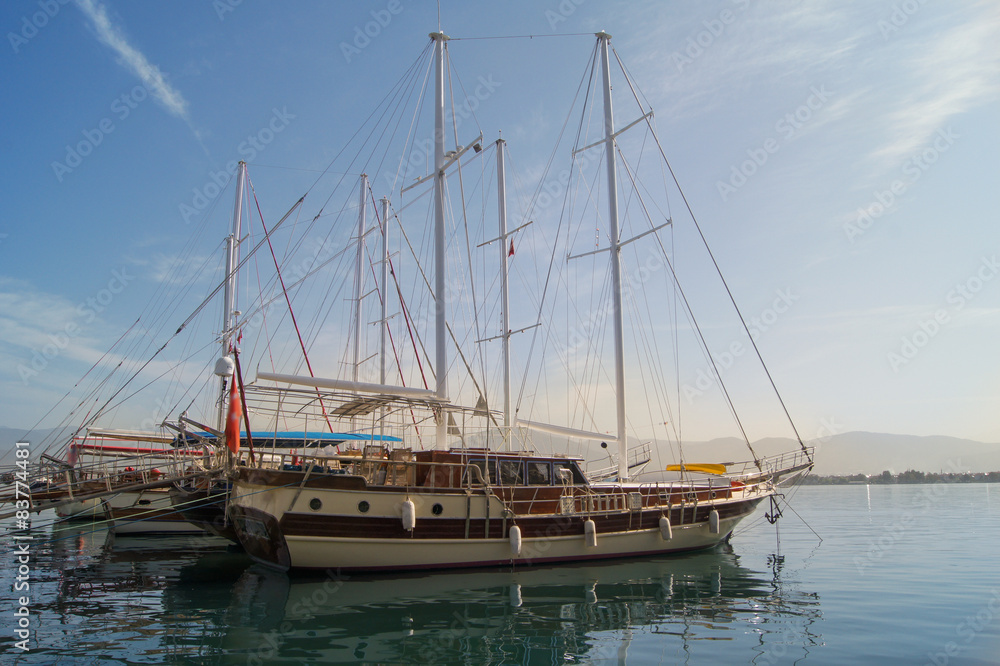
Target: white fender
666,532
590,533
515,595
515,540
713,522
409,516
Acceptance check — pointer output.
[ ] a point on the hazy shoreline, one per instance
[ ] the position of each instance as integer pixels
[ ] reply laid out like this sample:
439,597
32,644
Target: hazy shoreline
908,477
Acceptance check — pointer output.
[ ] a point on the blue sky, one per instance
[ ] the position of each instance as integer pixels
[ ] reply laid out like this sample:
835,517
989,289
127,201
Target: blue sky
841,160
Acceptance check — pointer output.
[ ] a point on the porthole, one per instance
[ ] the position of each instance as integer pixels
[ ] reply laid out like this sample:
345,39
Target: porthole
437,509
713,494
315,504
363,506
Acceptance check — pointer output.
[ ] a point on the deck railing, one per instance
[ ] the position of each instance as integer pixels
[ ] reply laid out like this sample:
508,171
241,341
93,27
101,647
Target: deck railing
382,468
779,465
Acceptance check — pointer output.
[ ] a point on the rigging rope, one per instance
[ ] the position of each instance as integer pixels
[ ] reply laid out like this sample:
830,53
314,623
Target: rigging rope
291,312
718,270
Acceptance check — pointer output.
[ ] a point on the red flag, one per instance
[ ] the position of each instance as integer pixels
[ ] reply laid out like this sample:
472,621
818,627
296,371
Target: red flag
511,253
233,420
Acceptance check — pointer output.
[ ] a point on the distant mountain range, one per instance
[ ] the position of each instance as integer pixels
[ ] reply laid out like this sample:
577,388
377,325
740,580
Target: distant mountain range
11,435
868,453
8,436
846,453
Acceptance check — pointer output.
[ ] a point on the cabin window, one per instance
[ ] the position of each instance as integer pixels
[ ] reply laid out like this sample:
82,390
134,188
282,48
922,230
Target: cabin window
572,472
539,473
511,473
488,470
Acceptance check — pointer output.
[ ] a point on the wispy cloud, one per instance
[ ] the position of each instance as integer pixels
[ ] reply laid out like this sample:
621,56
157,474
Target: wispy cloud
179,270
948,73
134,60
699,66
47,343
29,315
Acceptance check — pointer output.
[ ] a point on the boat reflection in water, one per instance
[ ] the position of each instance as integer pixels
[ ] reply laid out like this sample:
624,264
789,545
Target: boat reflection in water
97,597
668,608
192,599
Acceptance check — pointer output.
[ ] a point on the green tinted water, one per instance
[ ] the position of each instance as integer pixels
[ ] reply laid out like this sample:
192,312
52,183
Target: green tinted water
905,574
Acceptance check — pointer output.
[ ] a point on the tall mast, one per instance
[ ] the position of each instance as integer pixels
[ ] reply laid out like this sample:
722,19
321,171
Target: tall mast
359,281
504,294
440,306
385,287
229,313
615,249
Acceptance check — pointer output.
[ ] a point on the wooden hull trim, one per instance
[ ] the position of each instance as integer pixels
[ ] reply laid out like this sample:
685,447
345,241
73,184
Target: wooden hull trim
284,544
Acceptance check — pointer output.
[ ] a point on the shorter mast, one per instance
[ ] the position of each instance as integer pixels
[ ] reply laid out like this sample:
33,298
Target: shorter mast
385,316
359,283
385,289
229,312
359,277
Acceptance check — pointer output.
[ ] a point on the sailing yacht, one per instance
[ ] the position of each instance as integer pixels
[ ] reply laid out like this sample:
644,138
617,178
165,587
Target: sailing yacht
473,498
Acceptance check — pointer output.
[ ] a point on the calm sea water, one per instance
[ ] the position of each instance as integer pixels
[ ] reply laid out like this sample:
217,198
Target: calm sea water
904,574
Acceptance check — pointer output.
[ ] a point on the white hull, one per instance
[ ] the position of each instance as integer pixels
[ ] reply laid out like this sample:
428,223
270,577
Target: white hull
322,528
411,554
89,509
147,511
